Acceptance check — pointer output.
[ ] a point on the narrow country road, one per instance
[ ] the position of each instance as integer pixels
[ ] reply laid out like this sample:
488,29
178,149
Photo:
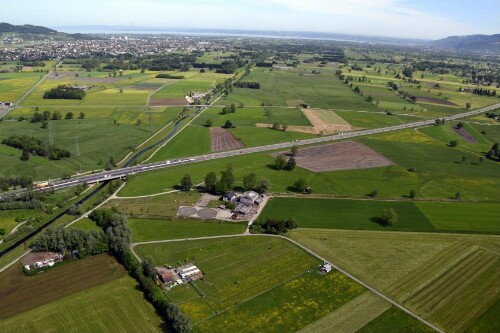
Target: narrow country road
311,252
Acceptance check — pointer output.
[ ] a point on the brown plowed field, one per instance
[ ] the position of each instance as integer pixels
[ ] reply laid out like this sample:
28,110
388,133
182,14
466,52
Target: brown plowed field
434,100
465,135
167,101
340,156
221,139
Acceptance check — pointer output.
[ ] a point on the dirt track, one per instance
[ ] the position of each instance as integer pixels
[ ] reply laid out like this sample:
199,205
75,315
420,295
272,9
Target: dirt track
340,156
167,101
221,139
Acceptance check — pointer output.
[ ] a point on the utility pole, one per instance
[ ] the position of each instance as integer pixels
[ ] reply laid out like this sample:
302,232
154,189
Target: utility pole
77,147
150,120
51,138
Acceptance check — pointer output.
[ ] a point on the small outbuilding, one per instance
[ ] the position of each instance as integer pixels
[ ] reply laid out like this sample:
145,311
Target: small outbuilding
229,196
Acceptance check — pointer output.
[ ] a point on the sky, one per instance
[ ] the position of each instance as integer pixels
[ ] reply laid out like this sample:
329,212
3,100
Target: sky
427,19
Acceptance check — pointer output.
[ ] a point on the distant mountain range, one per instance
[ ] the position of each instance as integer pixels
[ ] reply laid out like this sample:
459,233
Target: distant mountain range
470,43
28,31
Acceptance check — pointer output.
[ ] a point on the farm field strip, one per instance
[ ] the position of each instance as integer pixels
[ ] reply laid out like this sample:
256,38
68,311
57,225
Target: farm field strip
115,306
351,316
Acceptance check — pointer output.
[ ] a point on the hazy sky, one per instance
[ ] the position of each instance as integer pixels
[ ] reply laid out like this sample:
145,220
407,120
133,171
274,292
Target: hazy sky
398,18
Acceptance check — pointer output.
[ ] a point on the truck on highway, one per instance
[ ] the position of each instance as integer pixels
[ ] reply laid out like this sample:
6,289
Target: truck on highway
41,185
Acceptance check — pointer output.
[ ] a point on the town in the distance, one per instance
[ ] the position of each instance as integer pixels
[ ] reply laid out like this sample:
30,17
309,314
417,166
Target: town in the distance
228,180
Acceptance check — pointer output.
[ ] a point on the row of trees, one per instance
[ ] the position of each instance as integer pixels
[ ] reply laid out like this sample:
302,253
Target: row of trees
170,76
46,116
118,233
21,204
281,163
32,145
274,226
8,182
226,182
249,85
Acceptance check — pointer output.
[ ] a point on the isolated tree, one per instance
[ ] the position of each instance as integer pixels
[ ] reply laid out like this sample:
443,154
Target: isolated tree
284,127
112,161
208,123
458,196
467,106
56,115
413,193
464,159
280,162
291,164
250,181
453,143
69,115
389,217
263,185
374,193
82,115
121,90
186,182
300,185
210,181
294,150
232,108
228,124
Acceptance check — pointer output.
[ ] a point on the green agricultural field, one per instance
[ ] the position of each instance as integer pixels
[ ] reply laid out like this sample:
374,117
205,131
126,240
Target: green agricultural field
165,205
351,316
450,280
99,137
439,171
14,85
239,285
362,214
251,116
85,224
8,217
110,307
191,141
346,214
22,293
148,230
488,322
395,320
462,217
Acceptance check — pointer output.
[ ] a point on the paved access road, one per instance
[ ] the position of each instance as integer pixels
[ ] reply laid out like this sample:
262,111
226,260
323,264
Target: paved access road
121,173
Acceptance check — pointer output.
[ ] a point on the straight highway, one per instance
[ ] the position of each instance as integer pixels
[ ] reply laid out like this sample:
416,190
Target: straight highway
124,172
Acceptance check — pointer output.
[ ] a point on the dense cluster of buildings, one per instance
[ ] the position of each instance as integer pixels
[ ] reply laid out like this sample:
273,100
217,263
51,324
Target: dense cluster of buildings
172,277
112,45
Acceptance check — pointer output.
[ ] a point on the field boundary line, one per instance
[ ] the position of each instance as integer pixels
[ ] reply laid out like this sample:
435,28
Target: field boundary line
14,261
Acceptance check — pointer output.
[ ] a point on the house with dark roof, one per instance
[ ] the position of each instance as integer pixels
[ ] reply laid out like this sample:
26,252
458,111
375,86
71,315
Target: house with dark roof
229,196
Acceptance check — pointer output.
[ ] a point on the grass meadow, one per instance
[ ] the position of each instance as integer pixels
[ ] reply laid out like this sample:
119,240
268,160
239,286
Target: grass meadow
362,214
450,280
115,306
148,230
241,290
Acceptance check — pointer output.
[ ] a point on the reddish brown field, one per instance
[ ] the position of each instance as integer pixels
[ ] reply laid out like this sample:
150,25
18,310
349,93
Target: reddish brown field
340,156
19,293
465,135
221,139
167,101
434,100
